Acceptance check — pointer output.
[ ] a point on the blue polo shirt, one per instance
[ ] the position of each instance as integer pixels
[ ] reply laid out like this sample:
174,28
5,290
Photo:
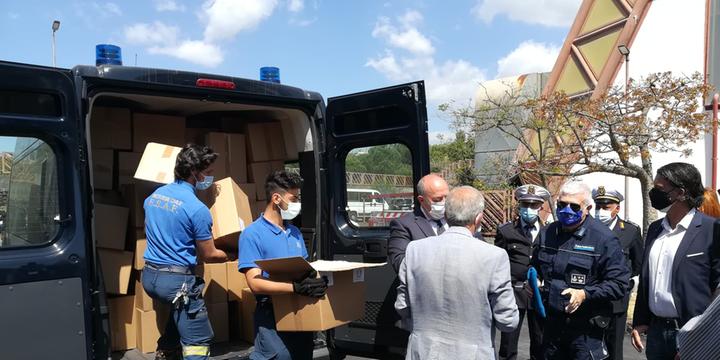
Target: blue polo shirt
264,240
174,219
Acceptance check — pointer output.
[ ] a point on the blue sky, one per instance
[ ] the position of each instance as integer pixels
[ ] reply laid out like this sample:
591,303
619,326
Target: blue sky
333,47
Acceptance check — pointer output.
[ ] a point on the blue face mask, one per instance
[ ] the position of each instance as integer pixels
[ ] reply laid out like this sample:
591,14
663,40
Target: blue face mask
529,215
568,217
205,184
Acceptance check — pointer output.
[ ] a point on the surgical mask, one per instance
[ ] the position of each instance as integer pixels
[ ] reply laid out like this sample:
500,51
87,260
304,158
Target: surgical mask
660,200
292,211
529,215
568,217
604,216
437,210
205,184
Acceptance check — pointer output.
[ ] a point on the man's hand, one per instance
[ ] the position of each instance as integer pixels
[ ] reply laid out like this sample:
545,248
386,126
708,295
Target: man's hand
577,296
636,339
311,286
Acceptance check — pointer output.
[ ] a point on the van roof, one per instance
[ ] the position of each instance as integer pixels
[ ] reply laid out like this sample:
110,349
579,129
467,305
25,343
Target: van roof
189,79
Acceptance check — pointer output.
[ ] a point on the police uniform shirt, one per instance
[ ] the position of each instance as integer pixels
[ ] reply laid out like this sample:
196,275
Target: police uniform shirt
534,229
174,219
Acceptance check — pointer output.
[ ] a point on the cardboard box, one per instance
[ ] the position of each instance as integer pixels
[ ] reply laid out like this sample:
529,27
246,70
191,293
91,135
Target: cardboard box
216,282
103,164
219,143
140,247
236,281
343,303
110,128
247,309
127,164
276,144
250,190
219,320
258,208
158,163
162,129
116,269
122,324
258,173
149,326
110,226
265,141
230,211
237,158
195,135
134,196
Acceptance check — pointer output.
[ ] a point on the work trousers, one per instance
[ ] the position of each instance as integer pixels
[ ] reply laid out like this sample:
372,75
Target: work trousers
509,341
278,345
661,340
188,324
575,339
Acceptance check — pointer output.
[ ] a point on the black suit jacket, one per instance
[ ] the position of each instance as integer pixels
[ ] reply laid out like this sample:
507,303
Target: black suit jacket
695,270
632,246
510,237
409,227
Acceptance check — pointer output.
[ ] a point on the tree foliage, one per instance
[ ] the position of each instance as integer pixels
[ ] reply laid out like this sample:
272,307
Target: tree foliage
393,159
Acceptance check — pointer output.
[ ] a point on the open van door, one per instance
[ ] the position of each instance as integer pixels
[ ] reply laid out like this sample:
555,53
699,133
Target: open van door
374,140
45,266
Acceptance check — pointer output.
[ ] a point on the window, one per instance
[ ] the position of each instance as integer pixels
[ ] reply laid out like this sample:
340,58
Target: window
379,184
29,211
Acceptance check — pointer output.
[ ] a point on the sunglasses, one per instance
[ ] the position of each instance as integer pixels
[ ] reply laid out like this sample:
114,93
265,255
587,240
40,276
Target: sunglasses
574,207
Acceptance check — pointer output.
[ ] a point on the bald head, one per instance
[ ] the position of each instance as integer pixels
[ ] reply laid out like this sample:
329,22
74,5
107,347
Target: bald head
463,206
432,188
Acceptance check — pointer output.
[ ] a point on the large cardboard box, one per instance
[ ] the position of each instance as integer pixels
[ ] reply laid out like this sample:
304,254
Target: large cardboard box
230,211
158,163
110,128
140,247
250,190
258,173
103,164
134,196
110,226
247,309
237,158
219,143
122,324
116,268
265,141
219,320
149,326
127,164
216,282
162,129
236,281
343,303
277,141
258,208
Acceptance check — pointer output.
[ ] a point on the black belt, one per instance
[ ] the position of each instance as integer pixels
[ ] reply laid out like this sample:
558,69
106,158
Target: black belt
175,269
519,284
671,323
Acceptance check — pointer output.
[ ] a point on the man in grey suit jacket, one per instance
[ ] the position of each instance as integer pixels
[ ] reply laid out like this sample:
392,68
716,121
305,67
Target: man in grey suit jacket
453,287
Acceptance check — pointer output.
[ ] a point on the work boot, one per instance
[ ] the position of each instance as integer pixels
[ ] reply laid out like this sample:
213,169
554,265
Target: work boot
174,354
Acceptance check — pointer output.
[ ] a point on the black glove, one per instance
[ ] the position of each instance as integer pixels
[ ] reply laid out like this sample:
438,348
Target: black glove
311,286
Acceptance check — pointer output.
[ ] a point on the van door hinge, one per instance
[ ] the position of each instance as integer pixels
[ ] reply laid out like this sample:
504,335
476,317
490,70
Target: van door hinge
82,156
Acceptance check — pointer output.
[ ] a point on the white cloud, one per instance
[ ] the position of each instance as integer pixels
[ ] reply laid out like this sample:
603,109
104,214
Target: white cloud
168,5
440,137
197,52
407,36
226,18
554,13
107,9
151,34
528,57
303,22
296,5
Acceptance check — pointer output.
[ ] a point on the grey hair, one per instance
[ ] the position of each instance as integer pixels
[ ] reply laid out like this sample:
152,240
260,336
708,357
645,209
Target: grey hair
574,187
463,205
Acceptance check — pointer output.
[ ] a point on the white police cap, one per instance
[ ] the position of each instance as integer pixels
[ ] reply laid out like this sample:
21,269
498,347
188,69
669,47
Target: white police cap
531,192
603,195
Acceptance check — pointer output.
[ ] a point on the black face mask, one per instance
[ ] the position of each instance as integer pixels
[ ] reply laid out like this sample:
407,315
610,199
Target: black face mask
659,199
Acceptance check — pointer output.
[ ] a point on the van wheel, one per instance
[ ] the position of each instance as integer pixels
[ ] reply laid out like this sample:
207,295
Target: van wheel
354,217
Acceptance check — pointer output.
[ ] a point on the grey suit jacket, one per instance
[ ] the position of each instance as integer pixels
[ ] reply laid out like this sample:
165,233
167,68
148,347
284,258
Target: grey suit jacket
409,227
453,288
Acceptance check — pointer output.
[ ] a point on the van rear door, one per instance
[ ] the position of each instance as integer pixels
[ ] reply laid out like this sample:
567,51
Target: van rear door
44,264
375,140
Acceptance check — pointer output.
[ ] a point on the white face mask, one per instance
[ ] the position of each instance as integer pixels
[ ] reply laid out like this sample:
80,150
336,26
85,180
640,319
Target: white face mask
437,210
292,211
605,216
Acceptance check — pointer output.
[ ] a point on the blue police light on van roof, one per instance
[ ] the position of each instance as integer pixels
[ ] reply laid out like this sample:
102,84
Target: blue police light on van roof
270,74
106,54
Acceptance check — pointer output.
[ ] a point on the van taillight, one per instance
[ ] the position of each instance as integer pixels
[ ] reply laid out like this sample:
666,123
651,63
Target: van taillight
212,83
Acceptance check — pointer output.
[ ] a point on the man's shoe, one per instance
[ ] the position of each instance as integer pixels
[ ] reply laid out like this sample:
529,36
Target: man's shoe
175,354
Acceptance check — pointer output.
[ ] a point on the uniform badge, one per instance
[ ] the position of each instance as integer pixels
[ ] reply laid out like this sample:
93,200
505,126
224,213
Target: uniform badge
584,248
577,279
601,191
531,190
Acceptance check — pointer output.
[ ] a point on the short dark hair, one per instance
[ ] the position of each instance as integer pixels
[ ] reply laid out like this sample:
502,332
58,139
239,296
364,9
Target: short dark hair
685,176
193,158
282,181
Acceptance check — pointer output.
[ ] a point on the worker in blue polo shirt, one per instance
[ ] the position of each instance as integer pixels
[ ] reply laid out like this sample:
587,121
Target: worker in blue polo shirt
178,230
272,236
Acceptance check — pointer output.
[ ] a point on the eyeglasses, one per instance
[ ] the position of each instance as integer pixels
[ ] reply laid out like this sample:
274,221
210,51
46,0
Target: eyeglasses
574,207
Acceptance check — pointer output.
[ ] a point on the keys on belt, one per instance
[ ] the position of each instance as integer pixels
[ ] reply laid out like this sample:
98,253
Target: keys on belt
181,297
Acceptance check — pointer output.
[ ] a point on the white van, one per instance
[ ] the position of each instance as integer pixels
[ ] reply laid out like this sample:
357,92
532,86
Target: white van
359,206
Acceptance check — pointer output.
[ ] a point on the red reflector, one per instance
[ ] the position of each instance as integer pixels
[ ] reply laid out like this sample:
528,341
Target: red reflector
220,84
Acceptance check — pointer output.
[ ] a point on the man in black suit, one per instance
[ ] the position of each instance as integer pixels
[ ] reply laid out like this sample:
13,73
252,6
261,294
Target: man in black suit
517,238
681,266
607,207
426,221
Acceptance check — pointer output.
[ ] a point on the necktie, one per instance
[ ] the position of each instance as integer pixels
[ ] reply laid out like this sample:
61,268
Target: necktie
698,339
528,232
440,227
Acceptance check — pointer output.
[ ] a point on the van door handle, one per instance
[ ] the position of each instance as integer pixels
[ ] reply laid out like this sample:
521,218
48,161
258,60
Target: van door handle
375,250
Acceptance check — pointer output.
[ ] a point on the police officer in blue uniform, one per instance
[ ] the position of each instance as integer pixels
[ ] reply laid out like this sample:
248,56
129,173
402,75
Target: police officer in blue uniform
178,227
272,236
582,269
607,207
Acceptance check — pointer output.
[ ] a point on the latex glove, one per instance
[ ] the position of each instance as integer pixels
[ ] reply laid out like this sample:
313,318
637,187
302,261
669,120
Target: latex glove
636,339
311,286
577,297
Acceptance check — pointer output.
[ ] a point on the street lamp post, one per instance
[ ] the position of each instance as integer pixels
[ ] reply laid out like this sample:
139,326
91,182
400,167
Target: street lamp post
624,51
55,27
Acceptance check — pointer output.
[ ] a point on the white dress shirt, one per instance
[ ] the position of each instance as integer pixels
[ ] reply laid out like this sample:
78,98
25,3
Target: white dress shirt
433,222
662,256
534,230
